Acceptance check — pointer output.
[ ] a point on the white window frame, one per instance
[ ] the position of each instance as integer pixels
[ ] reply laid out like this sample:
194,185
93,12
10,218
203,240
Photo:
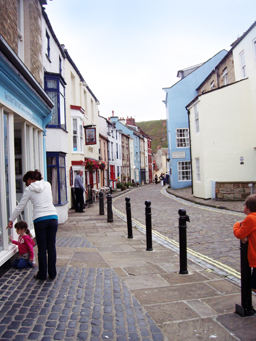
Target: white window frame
225,76
198,172
182,138
254,44
212,85
243,64
184,171
196,113
20,27
79,135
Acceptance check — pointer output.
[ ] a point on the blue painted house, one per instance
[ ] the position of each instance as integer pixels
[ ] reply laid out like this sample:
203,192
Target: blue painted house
177,97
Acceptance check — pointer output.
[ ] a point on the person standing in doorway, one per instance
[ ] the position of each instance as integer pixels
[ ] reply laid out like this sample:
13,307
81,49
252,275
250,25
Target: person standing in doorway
45,220
79,192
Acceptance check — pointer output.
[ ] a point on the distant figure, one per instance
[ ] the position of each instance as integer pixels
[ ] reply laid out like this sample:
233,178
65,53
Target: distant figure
79,191
167,179
156,179
161,179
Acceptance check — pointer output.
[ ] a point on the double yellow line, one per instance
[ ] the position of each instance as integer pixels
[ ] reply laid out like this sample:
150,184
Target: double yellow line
230,271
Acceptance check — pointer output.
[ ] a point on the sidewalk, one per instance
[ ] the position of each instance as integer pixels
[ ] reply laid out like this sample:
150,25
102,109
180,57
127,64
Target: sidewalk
109,287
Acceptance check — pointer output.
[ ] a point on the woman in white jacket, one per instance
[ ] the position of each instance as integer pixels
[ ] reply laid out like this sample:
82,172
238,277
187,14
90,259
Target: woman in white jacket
45,220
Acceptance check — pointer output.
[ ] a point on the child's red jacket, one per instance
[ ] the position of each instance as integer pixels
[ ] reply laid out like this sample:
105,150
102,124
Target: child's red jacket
25,245
248,229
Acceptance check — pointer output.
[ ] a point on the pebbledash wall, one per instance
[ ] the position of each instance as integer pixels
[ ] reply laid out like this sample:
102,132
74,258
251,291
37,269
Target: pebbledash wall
234,190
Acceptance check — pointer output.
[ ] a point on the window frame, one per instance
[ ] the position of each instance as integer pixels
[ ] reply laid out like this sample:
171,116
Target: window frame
180,138
181,171
243,64
48,45
60,82
196,114
198,171
225,76
79,135
57,155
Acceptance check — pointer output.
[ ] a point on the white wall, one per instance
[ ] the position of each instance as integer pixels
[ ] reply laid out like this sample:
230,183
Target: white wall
226,134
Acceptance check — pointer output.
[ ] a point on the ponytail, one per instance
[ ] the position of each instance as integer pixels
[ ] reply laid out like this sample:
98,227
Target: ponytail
33,175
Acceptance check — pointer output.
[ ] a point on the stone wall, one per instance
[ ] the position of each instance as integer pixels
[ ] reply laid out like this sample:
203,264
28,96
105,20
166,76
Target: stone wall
234,190
8,23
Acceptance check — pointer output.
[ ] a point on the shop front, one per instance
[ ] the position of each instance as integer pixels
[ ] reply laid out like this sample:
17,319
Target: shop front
25,110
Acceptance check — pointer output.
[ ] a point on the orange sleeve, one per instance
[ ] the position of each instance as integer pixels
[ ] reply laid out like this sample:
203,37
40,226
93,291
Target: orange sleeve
245,228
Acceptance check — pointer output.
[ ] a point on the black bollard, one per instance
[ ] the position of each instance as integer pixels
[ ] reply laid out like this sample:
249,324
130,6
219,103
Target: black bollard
183,240
109,206
101,203
148,226
246,308
129,217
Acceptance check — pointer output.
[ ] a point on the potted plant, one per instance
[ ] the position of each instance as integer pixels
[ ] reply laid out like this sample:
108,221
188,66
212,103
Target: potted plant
102,165
91,165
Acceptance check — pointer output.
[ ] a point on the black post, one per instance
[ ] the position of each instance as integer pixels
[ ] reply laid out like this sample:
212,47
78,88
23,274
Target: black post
246,308
183,240
148,226
101,203
129,217
109,206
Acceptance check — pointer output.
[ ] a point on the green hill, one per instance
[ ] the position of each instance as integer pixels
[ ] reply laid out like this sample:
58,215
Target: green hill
157,131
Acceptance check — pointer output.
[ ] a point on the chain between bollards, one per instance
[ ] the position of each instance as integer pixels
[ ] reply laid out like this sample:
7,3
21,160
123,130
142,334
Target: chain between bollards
148,226
129,217
183,240
109,208
101,203
246,308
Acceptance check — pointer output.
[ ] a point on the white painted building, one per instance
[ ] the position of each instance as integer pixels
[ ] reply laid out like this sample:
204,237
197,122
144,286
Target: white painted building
222,125
57,134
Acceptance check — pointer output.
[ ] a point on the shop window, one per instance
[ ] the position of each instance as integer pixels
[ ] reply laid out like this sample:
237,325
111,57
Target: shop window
56,175
55,88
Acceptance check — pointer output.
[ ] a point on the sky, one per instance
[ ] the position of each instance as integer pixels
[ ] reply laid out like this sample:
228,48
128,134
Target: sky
129,50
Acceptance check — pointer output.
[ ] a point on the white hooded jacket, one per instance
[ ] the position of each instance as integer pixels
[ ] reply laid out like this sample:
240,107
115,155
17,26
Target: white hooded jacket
40,195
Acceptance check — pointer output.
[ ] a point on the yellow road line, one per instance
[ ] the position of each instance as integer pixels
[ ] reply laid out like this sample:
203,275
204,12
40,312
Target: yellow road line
198,255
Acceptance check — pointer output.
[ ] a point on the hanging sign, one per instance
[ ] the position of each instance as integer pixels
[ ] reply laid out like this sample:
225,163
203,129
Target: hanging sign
90,136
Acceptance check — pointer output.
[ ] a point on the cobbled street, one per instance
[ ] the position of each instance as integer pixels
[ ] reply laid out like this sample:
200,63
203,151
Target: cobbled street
209,232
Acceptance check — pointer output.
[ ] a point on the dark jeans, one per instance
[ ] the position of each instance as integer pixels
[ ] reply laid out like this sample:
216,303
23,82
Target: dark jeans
79,199
22,263
46,242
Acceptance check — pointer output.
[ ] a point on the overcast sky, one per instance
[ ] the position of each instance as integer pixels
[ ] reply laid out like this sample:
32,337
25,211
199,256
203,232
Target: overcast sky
129,50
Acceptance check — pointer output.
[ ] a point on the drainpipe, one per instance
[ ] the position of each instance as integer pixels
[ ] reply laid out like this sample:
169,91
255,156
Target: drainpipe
192,190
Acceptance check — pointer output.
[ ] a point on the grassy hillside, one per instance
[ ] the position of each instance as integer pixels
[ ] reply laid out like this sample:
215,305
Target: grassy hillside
157,131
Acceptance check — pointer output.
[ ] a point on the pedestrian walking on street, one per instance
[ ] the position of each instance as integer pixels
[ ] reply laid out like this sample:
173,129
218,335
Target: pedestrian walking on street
79,192
246,231
45,219
25,245
156,178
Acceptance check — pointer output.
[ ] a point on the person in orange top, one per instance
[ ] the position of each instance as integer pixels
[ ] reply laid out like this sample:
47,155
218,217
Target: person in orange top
246,231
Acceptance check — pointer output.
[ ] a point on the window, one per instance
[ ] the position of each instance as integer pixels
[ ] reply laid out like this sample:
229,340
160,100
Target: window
212,85
92,109
225,76
254,44
196,118
20,27
116,150
198,177
56,175
78,140
85,101
112,153
60,65
184,171
47,52
243,65
73,89
55,88
182,137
